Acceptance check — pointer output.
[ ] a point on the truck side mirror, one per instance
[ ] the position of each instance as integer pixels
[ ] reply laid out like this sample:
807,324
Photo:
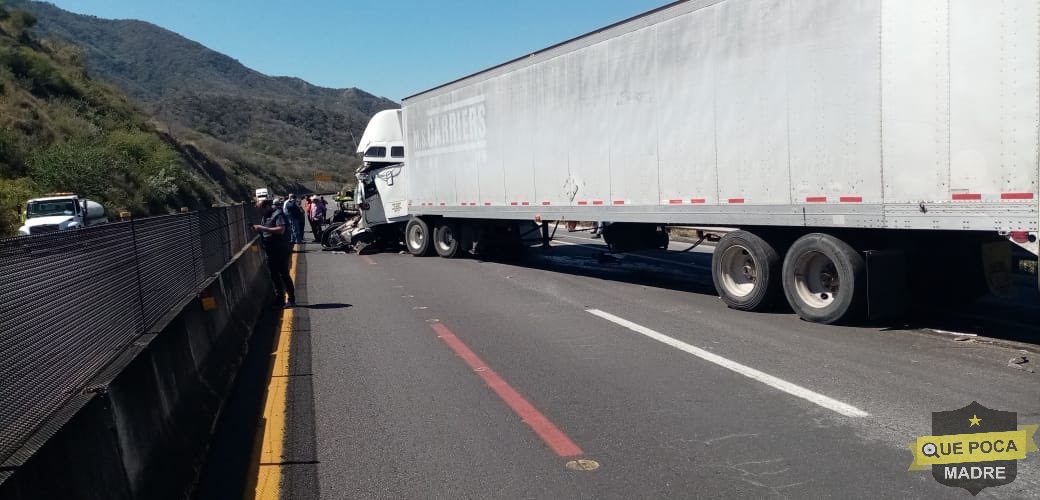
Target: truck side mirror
364,205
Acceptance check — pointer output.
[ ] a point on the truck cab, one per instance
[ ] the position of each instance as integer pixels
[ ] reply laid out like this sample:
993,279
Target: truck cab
383,140
59,212
382,193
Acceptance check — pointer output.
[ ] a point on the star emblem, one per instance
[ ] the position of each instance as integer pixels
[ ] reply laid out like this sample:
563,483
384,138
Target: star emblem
975,421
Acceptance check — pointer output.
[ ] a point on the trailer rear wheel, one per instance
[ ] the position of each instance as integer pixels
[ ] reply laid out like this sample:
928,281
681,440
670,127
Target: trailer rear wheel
745,269
417,237
825,279
446,239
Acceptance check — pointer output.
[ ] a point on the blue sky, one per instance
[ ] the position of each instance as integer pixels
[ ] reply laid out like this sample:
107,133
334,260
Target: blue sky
392,48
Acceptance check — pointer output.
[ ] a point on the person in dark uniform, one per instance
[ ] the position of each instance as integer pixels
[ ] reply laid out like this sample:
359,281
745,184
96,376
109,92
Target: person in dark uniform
274,232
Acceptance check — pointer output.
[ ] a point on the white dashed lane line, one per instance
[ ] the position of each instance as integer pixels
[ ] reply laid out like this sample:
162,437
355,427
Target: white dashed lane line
774,382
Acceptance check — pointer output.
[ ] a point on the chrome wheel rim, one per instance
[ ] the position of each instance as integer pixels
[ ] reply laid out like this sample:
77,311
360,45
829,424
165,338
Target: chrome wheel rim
416,236
447,236
816,280
739,271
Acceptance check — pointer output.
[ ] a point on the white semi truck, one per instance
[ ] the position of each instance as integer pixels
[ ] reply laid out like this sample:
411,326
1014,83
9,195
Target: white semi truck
59,212
871,152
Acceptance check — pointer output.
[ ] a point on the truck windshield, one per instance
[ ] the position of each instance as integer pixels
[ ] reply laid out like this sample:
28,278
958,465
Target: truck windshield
52,207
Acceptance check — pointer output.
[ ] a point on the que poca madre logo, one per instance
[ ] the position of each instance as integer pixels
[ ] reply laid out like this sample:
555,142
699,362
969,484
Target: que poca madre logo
973,447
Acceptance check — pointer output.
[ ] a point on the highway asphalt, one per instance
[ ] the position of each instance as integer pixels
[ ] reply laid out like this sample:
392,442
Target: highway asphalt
569,374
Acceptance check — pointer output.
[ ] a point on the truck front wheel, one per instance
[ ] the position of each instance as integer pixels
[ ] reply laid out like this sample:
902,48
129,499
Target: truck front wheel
417,237
746,269
825,279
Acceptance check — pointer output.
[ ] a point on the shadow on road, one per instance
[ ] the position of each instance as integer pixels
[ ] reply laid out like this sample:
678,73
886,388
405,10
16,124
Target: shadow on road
1014,316
688,272
323,306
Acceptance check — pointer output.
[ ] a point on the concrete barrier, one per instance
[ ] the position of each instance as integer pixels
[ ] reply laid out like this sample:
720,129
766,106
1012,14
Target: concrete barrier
142,428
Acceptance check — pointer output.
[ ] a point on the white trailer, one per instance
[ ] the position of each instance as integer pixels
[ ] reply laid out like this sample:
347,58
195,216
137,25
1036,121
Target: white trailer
866,148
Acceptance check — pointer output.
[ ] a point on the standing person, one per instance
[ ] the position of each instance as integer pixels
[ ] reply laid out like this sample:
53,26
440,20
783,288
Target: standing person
323,211
300,223
293,214
274,232
314,214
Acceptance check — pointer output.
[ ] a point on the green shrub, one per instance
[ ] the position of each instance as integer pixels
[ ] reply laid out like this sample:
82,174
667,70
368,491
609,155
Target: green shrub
73,167
42,77
128,169
13,195
22,19
12,157
150,160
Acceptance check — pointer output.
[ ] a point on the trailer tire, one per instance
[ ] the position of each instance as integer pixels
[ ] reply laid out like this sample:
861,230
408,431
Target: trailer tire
417,237
746,271
447,239
825,280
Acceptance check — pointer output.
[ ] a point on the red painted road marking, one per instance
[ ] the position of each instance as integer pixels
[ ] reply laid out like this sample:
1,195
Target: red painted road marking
552,435
368,260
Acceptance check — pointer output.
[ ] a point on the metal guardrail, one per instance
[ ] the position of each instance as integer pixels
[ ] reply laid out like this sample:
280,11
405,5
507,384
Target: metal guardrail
71,301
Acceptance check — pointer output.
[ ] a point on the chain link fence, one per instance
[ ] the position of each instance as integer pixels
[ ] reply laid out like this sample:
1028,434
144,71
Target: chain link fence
71,301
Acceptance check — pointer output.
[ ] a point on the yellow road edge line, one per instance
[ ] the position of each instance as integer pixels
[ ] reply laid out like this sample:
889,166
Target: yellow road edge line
271,430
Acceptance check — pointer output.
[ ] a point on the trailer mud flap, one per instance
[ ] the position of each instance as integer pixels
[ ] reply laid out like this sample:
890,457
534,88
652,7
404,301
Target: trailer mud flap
888,293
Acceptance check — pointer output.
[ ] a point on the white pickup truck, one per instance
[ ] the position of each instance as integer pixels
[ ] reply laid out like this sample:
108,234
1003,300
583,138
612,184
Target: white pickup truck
59,212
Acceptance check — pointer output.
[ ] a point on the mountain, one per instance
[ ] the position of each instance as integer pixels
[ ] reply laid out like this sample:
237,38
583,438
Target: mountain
243,118
62,130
